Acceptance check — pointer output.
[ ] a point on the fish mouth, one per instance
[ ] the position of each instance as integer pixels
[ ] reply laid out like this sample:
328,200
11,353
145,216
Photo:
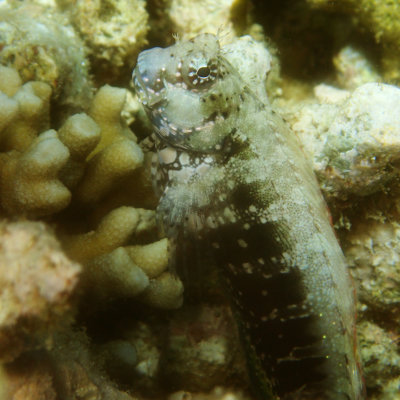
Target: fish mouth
151,101
142,90
147,77
137,79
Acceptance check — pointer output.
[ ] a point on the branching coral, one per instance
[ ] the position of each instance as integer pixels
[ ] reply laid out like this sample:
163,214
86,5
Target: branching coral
106,109
55,173
43,173
117,154
25,110
80,134
114,231
39,167
29,180
114,271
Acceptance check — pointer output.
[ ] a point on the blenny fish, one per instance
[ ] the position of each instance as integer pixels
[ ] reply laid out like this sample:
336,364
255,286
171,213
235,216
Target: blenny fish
236,186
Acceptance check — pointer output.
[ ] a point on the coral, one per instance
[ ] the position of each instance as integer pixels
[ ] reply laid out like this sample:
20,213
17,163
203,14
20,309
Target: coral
40,45
29,171
107,169
73,161
84,160
204,339
25,110
164,292
67,371
106,110
152,258
115,271
246,48
80,134
114,231
50,162
114,32
10,81
354,69
114,274
147,344
116,155
379,17
372,251
353,143
218,393
381,358
8,110
29,180
36,284
189,18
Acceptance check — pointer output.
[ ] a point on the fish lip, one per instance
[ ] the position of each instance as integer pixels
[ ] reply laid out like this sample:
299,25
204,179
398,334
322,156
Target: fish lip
138,84
136,78
145,95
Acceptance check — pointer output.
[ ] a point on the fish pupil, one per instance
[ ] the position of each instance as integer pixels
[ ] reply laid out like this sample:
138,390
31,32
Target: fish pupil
203,72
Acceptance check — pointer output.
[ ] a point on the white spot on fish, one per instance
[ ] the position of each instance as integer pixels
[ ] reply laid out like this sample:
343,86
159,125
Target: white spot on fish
248,268
167,155
242,243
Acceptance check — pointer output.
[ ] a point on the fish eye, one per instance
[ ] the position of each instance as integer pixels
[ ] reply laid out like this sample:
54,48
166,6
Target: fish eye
203,72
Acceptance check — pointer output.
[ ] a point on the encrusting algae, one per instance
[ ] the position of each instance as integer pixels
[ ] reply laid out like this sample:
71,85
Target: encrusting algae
90,304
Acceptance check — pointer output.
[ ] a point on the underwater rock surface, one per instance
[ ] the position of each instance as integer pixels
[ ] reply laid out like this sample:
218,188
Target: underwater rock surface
89,306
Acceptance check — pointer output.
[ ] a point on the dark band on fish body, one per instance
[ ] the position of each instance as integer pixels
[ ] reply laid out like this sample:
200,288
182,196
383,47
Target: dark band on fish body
279,325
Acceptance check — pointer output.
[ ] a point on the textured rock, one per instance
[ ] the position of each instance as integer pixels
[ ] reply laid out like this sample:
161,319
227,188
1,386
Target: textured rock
372,251
379,17
204,339
354,144
68,370
48,50
114,32
381,359
218,393
37,282
354,69
190,18
243,49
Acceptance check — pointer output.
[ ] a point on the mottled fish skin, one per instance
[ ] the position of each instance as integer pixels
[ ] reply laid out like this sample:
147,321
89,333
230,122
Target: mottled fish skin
236,185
